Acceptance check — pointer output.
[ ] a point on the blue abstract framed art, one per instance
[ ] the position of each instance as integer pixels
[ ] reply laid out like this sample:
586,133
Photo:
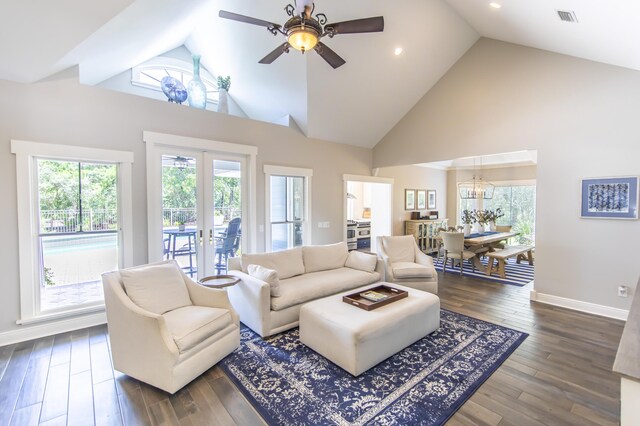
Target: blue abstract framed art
610,198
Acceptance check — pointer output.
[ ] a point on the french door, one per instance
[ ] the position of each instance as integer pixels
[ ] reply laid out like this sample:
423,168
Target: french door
199,209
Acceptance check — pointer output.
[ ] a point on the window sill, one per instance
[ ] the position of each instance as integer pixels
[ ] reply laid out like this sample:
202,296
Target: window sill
61,315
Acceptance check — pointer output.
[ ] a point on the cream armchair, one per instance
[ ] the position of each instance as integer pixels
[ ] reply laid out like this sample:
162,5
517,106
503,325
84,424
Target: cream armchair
165,329
406,264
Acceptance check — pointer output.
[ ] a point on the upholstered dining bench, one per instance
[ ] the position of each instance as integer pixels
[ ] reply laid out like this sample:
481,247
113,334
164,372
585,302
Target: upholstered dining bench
520,252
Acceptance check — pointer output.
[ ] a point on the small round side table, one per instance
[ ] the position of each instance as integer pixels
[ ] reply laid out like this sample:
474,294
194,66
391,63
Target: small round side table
219,281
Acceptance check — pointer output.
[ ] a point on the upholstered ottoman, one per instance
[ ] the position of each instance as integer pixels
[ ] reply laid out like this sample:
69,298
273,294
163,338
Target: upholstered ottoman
356,339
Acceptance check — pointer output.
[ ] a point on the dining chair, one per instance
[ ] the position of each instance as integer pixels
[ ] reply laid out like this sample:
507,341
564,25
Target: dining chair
438,239
454,249
501,244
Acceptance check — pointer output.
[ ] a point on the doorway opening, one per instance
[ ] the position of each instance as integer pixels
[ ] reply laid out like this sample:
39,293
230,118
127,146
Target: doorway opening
368,211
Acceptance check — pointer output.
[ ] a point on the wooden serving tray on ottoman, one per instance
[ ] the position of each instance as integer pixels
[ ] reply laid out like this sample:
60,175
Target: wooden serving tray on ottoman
362,302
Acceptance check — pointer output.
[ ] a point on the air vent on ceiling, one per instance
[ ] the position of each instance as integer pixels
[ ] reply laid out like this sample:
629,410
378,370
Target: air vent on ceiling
567,15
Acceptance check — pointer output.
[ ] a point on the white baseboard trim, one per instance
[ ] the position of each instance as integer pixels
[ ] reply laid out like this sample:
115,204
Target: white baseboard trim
578,305
25,333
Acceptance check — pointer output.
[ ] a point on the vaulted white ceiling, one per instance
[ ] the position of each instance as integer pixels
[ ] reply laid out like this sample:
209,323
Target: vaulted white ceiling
357,103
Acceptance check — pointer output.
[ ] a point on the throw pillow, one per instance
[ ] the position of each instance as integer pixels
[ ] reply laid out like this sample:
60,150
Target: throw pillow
288,263
156,288
361,261
324,257
269,276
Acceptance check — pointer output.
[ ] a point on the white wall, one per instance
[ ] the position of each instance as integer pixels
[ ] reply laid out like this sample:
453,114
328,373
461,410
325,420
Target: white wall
63,112
415,177
581,116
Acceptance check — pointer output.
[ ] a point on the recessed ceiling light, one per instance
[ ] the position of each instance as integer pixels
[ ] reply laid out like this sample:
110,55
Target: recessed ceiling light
495,5
397,51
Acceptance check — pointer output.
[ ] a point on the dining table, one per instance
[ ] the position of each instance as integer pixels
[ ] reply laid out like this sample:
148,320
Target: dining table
479,243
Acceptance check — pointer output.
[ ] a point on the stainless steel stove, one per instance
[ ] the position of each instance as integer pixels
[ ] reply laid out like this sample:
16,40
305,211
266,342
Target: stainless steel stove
352,237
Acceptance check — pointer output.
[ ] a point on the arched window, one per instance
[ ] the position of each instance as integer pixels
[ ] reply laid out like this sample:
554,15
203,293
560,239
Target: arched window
150,73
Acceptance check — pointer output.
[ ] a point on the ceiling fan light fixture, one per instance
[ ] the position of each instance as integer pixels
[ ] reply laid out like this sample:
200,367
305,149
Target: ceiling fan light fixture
181,163
302,38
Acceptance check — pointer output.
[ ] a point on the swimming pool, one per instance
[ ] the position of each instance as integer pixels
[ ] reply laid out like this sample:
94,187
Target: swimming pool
72,243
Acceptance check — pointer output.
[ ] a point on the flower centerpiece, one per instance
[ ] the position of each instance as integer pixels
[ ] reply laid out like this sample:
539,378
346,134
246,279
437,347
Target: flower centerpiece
482,217
492,217
468,218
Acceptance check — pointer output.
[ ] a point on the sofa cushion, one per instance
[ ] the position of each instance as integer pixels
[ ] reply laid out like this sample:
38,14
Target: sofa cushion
400,248
321,258
191,325
287,263
314,285
156,288
411,270
361,261
269,276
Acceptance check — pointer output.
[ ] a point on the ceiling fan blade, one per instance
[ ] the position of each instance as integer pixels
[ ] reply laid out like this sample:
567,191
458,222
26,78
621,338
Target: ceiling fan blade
275,54
329,55
246,19
365,25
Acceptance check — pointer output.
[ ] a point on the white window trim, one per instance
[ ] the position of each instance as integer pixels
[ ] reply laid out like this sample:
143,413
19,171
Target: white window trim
154,174
270,170
26,152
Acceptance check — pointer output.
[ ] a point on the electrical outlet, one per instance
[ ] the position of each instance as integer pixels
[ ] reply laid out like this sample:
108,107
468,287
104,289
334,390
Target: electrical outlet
327,224
623,291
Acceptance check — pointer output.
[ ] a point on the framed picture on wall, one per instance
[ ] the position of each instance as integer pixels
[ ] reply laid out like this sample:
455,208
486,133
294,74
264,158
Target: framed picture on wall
409,199
610,198
421,199
431,199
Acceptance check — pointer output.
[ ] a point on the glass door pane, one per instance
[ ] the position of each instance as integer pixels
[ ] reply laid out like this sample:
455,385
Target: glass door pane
78,237
287,207
226,221
180,211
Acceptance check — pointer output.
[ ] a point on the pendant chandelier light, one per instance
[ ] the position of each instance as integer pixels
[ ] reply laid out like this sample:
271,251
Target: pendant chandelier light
476,188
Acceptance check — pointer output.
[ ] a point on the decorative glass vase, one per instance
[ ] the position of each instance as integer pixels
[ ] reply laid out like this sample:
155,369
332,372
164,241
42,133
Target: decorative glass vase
492,226
223,101
196,88
467,229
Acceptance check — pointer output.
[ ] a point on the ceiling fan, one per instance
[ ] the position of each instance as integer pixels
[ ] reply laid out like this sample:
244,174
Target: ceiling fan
304,30
178,161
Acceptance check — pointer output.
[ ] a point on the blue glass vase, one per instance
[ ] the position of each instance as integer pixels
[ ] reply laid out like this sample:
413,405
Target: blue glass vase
196,88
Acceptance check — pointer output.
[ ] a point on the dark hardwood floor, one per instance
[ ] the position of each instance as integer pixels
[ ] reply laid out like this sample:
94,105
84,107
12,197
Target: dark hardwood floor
560,375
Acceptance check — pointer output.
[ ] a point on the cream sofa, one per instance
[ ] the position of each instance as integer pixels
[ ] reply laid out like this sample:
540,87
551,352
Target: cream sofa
303,274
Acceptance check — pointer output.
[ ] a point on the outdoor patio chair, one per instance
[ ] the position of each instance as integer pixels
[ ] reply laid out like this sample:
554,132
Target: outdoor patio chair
227,245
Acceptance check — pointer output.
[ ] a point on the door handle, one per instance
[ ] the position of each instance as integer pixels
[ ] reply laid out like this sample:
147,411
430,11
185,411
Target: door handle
210,237
201,243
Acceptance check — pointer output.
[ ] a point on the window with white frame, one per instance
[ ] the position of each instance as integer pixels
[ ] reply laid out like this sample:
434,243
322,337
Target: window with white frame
516,200
150,74
74,216
288,207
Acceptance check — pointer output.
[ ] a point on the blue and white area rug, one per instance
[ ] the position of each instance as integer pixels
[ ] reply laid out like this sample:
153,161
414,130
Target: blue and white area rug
424,384
518,274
